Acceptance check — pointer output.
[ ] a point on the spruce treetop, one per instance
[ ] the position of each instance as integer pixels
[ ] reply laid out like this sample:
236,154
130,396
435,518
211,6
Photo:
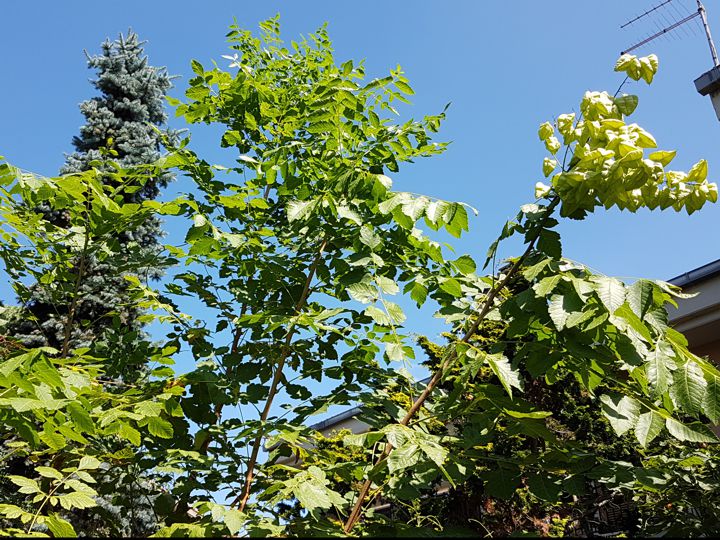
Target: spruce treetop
130,104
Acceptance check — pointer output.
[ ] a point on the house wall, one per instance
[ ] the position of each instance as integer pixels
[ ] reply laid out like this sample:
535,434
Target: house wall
699,317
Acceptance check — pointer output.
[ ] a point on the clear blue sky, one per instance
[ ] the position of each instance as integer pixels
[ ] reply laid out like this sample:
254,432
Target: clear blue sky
505,66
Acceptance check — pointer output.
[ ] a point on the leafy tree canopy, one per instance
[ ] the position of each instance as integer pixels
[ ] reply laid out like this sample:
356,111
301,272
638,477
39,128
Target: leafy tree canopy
295,251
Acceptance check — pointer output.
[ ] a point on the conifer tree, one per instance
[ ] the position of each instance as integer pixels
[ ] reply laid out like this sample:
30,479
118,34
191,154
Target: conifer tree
123,121
121,124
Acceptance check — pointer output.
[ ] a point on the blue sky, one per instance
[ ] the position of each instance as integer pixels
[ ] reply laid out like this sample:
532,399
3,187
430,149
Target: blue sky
505,66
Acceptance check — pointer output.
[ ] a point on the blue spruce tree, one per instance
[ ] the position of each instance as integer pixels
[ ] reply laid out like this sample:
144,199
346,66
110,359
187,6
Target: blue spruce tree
123,119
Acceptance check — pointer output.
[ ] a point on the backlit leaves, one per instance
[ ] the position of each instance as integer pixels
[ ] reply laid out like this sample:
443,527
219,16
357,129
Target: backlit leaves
621,411
648,427
611,292
689,387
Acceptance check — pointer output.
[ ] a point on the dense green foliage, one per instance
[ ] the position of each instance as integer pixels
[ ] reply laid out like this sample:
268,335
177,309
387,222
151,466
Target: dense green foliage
294,251
122,120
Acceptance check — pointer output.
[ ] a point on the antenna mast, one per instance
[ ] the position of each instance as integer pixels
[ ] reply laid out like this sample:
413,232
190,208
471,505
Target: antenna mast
703,16
709,82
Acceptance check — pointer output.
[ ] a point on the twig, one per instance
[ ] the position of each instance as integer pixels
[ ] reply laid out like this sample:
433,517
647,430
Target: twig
449,358
78,281
242,499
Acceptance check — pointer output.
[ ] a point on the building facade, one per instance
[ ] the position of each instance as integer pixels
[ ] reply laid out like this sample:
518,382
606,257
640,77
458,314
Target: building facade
699,317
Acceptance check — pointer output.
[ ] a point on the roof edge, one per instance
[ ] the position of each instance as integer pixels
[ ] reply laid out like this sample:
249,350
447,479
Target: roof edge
698,274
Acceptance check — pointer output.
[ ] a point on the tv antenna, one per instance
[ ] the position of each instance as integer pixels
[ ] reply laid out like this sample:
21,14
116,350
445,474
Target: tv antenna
707,83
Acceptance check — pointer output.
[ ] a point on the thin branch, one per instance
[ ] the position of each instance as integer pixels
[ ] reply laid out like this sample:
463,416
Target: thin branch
78,282
449,358
242,499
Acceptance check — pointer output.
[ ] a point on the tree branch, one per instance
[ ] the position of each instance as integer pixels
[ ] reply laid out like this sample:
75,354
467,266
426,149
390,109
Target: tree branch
242,499
78,282
449,358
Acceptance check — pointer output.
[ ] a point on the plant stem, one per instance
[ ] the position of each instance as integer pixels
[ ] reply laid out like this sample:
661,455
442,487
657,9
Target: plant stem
76,287
242,499
449,358
46,499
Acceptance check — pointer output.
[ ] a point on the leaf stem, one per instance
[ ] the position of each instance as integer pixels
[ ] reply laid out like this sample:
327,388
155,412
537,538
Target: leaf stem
78,282
450,356
242,499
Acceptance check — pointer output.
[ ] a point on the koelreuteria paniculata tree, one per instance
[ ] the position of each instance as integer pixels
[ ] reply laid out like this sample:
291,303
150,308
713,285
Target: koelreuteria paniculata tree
295,252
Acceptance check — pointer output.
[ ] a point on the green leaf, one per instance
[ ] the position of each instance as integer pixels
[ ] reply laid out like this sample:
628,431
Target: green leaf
312,492
546,285
22,404
544,487
627,105
640,296
76,499
388,205
148,408
451,286
549,244
648,426
662,156
711,403
501,482
465,264
387,285
234,520
404,87
259,202
622,412
48,374
504,371
658,369
53,439
199,220
379,316
418,293
363,439
562,306
160,427
534,271
11,511
459,221
549,166
59,527
298,210
689,387
8,366
415,207
363,291
129,433
197,67
81,418
625,319
698,172
89,463
532,414
545,131
435,211
695,432
395,351
369,238
395,311
49,472
610,291
403,457
27,485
